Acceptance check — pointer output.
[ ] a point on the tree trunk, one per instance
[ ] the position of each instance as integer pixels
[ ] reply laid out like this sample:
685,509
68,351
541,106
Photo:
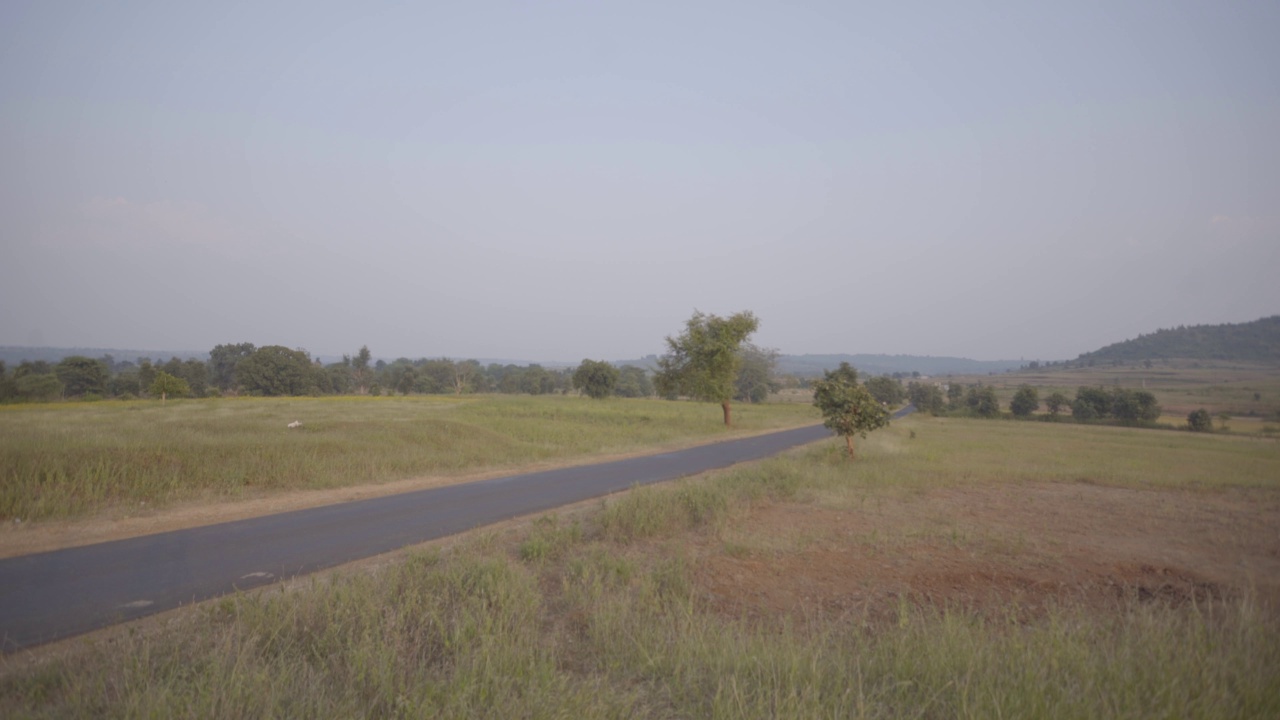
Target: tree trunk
848,441
725,406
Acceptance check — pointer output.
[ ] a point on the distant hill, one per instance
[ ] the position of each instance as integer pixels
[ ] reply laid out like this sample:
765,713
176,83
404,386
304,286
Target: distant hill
1257,341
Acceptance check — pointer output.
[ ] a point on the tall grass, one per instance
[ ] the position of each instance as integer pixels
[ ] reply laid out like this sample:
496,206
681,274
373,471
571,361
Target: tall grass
66,460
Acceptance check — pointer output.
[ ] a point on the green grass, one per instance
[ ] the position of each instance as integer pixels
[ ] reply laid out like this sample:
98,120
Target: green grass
68,460
595,614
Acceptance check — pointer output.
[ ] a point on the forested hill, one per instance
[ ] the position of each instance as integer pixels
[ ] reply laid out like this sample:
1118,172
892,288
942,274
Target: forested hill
1257,341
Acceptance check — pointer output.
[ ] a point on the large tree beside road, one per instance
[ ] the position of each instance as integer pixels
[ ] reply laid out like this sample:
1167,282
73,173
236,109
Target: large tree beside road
703,361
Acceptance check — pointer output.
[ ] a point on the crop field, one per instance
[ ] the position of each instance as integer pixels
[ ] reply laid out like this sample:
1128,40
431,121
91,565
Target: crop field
960,568
72,460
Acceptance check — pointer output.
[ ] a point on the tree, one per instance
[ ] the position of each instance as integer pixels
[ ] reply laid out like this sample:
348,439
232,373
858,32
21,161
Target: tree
633,382
886,389
1200,421
596,378
276,370
848,408
955,396
982,401
223,360
845,372
37,387
1091,403
82,375
927,397
1025,401
1134,405
465,374
703,361
755,374
361,374
8,388
408,380
1055,402
165,385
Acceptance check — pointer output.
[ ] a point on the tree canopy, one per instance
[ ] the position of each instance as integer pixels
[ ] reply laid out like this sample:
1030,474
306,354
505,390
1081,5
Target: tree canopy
276,370
1025,401
597,378
165,385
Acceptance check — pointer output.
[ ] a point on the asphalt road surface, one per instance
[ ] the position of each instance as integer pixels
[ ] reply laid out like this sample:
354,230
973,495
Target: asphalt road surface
54,595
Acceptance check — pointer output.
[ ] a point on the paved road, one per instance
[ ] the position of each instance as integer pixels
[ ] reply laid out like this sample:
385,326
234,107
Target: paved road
54,595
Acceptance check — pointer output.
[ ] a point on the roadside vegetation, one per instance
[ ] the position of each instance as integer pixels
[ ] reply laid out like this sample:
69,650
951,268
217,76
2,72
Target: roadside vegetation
936,577
74,459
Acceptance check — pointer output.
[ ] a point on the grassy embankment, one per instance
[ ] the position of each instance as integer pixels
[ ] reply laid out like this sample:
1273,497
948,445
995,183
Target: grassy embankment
74,459
607,611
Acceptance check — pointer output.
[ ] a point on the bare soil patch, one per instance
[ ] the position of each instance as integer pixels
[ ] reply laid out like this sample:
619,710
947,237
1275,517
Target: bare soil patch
1000,550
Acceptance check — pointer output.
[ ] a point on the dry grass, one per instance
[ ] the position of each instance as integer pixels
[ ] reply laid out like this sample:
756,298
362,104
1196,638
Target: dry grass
77,459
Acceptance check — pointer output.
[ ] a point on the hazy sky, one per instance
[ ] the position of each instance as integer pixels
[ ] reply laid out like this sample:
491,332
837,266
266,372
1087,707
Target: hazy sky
553,181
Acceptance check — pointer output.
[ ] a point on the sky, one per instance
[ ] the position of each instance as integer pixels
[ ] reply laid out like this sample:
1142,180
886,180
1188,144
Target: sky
555,181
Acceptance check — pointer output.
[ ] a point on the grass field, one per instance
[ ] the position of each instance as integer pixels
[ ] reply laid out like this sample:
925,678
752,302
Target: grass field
75,459
960,568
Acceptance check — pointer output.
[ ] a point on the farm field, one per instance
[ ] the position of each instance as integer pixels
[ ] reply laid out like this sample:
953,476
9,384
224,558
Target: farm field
72,473
959,568
1249,392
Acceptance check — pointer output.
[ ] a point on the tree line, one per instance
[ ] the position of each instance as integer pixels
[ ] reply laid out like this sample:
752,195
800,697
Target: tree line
275,370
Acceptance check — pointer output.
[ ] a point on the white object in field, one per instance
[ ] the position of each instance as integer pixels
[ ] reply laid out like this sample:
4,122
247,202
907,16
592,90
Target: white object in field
295,424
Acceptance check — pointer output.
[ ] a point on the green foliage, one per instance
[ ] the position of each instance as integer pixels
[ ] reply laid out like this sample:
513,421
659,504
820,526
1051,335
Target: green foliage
82,375
927,397
1056,402
703,361
223,360
844,372
1091,403
755,374
276,370
38,388
981,401
634,382
886,389
955,396
165,385
1134,405
597,378
1123,404
847,408
1200,421
1025,401
8,389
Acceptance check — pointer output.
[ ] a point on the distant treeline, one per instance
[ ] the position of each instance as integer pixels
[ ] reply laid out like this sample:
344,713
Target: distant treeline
274,370
1257,341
